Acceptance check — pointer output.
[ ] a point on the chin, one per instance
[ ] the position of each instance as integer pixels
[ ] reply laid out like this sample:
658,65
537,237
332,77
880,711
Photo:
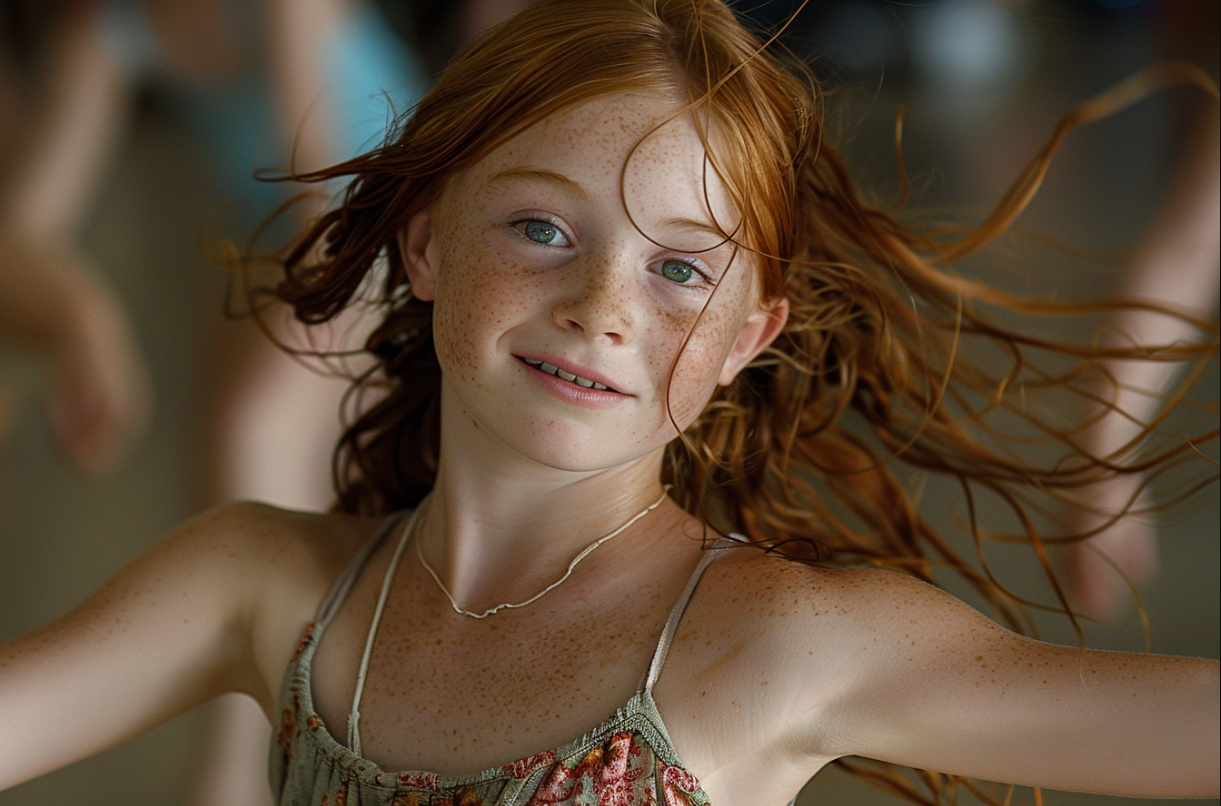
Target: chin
576,455
575,447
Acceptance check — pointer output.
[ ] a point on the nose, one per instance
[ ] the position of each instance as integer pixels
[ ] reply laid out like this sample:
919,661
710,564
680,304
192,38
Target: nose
596,299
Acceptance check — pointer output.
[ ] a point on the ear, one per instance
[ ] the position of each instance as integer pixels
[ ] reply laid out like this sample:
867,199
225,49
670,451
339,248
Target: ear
416,246
759,330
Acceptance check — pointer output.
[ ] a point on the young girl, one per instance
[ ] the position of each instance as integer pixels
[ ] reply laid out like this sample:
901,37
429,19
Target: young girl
629,304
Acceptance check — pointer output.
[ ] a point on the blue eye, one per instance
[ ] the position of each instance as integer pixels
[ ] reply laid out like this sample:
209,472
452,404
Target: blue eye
676,271
540,231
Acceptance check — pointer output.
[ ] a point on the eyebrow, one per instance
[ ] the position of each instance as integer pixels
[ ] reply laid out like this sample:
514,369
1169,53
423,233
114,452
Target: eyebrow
527,174
691,225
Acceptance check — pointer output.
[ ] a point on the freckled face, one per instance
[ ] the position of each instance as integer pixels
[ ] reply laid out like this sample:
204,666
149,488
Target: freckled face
536,260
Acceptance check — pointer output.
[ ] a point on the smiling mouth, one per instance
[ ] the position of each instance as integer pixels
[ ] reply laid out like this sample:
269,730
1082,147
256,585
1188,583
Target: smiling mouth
584,383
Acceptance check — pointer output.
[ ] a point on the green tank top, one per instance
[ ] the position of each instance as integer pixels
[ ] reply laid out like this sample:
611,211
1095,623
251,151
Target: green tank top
628,760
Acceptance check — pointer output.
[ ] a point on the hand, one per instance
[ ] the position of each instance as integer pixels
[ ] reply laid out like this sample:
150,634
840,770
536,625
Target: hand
53,304
98,401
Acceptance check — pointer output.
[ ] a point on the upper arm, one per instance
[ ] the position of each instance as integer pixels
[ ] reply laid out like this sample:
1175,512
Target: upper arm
929,683
168,632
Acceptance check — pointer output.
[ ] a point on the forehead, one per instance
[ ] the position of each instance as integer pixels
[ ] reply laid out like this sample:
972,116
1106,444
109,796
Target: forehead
641,150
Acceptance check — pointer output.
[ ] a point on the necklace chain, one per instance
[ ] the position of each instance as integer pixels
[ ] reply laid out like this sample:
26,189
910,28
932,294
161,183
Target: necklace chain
510,605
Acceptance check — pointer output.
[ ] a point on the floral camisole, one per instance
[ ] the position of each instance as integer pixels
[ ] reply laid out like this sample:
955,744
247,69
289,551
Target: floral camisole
628,760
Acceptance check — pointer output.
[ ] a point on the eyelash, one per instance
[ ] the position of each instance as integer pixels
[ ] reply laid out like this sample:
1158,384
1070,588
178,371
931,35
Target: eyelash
695,266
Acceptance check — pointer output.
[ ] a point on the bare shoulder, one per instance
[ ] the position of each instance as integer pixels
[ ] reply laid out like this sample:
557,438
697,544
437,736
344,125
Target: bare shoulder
273,542
266,568
766,588
262,545
827,622
769,647
284,563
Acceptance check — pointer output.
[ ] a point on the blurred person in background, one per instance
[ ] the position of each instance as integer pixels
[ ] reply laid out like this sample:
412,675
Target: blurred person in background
1177,263
971,62
250,79
55,137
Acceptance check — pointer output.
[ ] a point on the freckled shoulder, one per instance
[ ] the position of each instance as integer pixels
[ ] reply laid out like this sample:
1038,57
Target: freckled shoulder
769,646
779,614
302,548
743,613
763,588
754,656
755,589
285,562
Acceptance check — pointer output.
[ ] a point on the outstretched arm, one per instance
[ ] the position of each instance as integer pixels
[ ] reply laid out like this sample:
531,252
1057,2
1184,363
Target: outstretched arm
931,684
170,631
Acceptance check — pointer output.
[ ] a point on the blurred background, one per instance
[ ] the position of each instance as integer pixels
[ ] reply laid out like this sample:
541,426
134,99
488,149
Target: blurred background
128,134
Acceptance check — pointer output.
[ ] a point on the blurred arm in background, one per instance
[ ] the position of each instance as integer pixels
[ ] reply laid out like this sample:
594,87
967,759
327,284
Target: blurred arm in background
52,301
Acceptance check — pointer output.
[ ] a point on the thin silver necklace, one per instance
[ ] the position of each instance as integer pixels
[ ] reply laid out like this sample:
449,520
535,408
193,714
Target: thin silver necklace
414,527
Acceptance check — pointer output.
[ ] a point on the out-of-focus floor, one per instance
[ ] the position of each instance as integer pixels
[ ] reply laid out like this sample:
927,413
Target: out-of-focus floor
61,536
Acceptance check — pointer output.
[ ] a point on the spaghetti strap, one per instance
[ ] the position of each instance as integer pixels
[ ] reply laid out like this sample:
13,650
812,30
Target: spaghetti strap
676,614
354,714
342,586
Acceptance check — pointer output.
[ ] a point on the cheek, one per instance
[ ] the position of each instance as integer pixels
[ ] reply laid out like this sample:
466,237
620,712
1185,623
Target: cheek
699,365
479,297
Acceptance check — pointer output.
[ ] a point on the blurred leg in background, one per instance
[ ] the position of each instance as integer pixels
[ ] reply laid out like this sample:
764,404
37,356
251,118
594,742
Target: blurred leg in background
1177,263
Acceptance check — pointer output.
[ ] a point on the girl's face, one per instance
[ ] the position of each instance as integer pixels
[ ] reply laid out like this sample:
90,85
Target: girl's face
556,319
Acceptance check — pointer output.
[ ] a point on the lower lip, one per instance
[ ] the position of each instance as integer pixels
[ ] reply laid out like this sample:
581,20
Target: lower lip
571,393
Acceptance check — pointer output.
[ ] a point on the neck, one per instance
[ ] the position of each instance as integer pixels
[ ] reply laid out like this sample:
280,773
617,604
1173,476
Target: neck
500,527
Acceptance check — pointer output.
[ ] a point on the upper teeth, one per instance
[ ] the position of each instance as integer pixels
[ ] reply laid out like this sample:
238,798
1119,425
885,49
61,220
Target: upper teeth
568,376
